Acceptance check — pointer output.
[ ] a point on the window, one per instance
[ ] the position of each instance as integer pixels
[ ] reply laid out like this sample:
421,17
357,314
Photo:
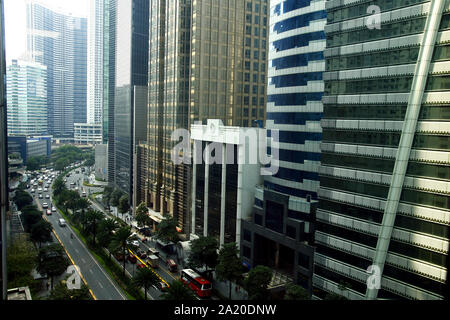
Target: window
274,216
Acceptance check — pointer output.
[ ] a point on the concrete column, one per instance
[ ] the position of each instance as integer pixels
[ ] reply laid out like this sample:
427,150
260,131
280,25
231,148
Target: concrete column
241,160
205,201
194,188
223,194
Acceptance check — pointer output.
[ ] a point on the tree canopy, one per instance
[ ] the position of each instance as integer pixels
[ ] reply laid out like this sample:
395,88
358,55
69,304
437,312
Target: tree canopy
203,253
167,229
178,291
257,282
229,266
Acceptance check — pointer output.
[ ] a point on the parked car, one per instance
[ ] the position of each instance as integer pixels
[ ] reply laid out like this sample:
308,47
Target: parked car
132,258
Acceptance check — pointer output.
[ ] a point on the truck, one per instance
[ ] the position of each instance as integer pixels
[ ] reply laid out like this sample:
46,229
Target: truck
153,261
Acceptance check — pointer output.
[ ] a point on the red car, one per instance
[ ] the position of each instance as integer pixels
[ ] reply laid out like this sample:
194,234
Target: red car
141,266
132,258
49,212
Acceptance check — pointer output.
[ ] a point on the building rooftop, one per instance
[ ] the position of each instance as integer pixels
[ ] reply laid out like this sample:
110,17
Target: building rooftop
22,293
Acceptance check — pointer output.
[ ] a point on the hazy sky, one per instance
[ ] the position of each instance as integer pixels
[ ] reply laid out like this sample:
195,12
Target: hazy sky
15,21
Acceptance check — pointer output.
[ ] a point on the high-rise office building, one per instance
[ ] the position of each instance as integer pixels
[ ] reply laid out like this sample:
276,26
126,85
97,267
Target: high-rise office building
130,100
95,62
4,201
26,87
281,231
207,61
109,69
383,215
59,41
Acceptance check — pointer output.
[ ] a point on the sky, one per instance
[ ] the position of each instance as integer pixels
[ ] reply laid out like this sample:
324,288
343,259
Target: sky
15,21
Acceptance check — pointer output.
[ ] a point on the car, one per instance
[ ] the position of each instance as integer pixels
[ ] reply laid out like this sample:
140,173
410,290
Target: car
47,196
161,286
152,251
49,212
28,186
141,254
32,190
172,265
45,205
62,222
141,266
40,190
53,209
135,243
119,256
132,258
72,183
65,180
45,190
40,196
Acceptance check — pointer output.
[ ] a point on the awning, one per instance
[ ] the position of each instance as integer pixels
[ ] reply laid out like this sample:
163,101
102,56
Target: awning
155,216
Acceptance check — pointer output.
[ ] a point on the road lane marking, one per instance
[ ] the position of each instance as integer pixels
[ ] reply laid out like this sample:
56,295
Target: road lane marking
100,285
82,259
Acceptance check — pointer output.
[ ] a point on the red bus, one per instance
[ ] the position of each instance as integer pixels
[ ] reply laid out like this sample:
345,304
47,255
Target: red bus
197,283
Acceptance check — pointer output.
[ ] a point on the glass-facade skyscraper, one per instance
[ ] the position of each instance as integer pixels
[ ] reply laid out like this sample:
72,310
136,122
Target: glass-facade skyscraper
281,232
131,74
26,85
59,41
385,176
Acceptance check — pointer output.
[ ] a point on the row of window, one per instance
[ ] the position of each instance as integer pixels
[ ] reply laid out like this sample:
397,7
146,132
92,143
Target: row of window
385,85
390,139
384,58
297,22
296,175
289,191
411,196
294,99
288,6
298,60
297,137
297,41
383,111
293,117
394,246
418,169
401,221
295,79
360,9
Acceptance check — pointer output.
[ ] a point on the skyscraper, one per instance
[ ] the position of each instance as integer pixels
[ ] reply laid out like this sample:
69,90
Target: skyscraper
27,98
59,41
132,27
95,62
281,232
383,215
109,82
207,61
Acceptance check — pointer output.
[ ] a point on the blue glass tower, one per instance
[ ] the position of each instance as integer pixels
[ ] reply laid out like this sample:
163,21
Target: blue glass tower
281,234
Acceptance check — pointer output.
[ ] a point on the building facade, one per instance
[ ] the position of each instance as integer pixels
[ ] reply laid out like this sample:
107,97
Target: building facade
109,69
59,41
280,233
130,94
101,162
26,87
87,133
207,61
95,62
384,177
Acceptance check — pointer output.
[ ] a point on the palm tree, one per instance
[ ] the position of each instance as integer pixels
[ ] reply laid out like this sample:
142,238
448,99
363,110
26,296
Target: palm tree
120,241
145,278
106,233
93,218
178,291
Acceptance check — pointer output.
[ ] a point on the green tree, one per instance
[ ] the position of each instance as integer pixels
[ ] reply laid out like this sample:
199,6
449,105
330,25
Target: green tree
107,194
93,218
167,229
178,291
52,261
120,242
124,206
257,282
62,163
58,187
229,266
145,278
203,253
22,199
115,197
107,227
142,217
33,164
21,260
61,292
30,216
41,232
295,292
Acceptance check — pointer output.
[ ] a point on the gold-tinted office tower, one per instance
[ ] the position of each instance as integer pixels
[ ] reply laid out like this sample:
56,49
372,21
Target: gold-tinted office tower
207,60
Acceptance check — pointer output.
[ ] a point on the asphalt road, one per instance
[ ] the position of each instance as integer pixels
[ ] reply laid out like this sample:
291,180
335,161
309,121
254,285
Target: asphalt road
97,279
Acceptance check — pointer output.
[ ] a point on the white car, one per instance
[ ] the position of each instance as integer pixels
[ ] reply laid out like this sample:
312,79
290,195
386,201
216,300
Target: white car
53,209
45,205
45,190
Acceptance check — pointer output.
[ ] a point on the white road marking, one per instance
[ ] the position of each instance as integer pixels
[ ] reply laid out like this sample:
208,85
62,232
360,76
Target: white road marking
100,285
76,250
82,259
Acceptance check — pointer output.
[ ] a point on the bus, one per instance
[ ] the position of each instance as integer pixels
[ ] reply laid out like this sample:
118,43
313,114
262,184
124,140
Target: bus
197,283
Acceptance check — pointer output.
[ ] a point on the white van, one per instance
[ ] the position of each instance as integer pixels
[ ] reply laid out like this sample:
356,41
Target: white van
62,222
